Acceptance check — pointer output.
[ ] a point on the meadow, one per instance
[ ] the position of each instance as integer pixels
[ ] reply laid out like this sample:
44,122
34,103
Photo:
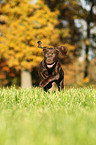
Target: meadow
33,117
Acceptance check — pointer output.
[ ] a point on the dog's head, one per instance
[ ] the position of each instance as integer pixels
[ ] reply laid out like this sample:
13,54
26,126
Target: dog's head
51,54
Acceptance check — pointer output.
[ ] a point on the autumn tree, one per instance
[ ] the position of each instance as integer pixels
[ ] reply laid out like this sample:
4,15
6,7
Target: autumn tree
22,24
71,14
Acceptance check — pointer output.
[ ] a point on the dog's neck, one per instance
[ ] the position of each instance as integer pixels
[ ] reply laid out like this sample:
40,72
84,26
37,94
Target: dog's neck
50,69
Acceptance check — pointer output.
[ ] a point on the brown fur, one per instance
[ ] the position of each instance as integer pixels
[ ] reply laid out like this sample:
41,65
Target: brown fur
50,69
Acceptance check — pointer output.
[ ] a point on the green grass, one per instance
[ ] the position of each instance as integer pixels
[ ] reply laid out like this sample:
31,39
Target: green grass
33,117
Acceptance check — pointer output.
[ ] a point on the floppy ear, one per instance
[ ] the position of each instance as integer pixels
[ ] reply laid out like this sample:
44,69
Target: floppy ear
62,49
39,44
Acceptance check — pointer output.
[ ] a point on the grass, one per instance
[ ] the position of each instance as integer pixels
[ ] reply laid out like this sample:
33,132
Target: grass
33,117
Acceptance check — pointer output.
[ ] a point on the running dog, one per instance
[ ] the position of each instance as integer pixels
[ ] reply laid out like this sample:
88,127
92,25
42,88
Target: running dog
50,69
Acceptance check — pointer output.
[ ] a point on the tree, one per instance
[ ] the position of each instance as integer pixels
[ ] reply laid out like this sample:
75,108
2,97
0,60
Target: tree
22,24
70,11
90,19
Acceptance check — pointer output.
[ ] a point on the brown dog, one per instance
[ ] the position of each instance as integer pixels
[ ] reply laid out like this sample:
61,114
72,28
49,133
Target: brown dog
50,69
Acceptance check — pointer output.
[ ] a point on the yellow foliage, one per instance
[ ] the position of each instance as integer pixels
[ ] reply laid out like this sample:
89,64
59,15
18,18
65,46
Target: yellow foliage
70,47
25,24
65,32
86,80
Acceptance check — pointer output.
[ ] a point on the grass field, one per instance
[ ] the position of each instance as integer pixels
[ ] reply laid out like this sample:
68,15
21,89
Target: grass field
33,117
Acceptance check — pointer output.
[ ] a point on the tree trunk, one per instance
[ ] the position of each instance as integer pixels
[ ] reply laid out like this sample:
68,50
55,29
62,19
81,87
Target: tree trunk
87,50
26,79
86,62
89,20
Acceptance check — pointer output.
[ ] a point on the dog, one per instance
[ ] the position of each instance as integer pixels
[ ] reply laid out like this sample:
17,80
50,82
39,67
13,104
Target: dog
50,69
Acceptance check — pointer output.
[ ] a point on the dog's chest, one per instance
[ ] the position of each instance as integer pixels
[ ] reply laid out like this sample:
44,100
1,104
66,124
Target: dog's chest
51,71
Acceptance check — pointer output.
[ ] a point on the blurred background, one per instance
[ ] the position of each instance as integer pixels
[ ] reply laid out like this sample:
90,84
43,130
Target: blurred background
55,22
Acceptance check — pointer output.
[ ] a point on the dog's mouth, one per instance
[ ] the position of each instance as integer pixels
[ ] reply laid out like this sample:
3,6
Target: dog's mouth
50,65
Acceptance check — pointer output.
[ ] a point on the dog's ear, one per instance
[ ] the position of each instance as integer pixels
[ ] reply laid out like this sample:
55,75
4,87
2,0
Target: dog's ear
62,49
39,44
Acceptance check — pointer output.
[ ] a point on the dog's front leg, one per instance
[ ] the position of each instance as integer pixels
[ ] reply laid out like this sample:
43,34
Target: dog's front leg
48,80
44,82
53,78
60,85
